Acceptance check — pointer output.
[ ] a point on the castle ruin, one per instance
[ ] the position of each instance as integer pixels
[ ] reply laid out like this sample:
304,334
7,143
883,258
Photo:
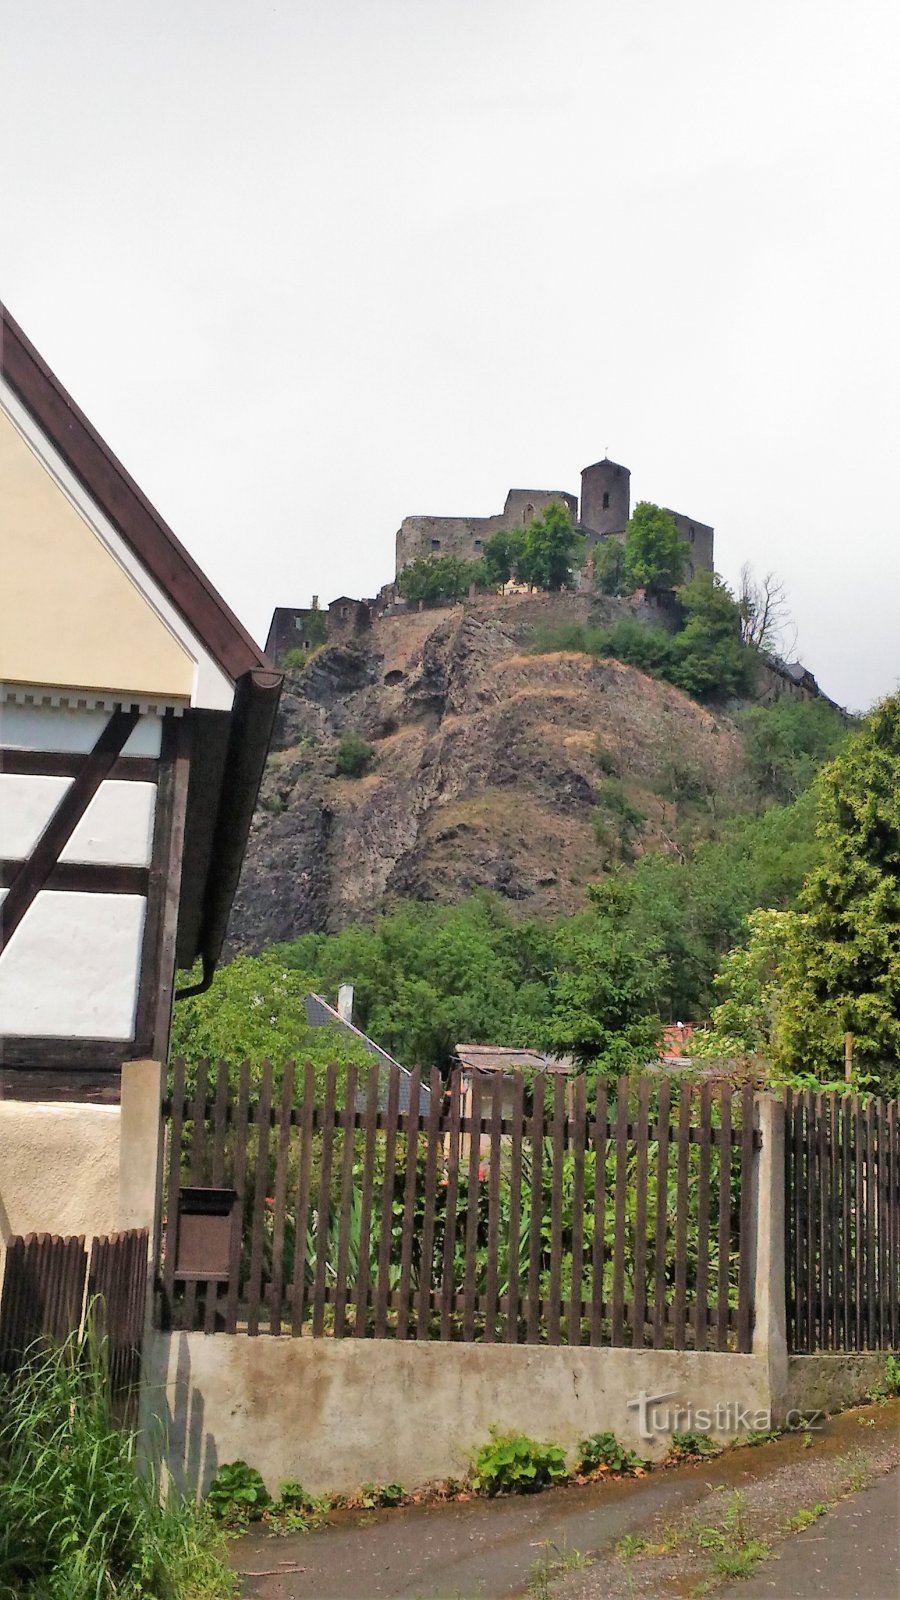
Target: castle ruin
605,510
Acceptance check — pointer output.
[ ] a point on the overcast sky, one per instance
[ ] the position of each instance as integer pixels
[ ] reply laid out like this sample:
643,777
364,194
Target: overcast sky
315,266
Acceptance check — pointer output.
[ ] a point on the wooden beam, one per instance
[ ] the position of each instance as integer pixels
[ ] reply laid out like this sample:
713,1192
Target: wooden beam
85,876
68,764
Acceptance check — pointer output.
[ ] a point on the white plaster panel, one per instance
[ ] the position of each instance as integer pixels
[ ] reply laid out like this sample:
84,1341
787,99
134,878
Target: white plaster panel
117,828
72,969
57,728
26,806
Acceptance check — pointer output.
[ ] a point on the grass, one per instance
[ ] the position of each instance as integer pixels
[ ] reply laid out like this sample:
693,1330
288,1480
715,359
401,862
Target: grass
805,1517
556,1560
77,1519
855,1471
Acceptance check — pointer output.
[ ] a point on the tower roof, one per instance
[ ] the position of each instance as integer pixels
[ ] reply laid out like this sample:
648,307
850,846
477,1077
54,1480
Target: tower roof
616,466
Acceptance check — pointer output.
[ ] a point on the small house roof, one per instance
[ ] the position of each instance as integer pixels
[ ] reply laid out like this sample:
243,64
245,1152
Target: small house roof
503,1058
320,1014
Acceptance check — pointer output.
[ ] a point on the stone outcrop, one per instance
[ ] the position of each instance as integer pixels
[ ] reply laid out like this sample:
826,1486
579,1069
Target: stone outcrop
484,771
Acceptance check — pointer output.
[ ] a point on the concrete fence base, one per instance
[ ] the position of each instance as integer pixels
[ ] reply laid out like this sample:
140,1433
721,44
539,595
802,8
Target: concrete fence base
336,1413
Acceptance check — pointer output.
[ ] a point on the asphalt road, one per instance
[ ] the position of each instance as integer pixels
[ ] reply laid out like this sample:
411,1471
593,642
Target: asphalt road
852,1553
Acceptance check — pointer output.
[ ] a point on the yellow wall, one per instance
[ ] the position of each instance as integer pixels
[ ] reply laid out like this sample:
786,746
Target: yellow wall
71,616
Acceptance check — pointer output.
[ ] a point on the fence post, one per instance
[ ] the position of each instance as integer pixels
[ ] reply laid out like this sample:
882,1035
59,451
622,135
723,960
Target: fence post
768,1234
141,1141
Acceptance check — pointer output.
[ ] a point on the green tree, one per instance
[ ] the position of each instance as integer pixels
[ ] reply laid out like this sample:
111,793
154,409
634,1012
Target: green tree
848,975
353,756
789,741
254,1012
550,547
500,556
609,566
435,578
655,555
605,994
710,661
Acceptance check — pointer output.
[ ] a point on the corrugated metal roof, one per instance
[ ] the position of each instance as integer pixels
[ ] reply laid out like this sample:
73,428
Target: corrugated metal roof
321,1015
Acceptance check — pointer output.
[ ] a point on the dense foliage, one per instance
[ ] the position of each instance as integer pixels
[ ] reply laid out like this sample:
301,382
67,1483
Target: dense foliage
704,656
542,554
435,578
78,1519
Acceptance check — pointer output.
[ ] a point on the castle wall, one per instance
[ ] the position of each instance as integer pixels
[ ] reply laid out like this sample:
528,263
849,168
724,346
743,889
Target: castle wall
699,536
465,537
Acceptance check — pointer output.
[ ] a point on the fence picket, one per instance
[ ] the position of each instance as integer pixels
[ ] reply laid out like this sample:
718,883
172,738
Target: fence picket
348,1153
257,1230
662,1213
195,1173
618,1283
386,1224
423,1321
745,1242
365,1209
301,1217
579,1118
472,1198
217,1178
242,1129
679,1310
556,1194
448,1286
282,1151
535,1220
639,1296
598,1243
323,1209
515,1212
409,1202
493,1238
704,1139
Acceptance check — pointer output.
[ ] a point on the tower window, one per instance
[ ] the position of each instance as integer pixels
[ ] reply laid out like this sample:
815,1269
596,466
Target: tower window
477,544
435,544
527,514
606,499
691,535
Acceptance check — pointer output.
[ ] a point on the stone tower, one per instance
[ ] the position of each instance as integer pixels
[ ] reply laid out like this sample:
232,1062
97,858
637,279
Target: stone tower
605,497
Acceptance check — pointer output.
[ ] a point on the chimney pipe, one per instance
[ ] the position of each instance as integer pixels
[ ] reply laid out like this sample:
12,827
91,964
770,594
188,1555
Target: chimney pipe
345,1002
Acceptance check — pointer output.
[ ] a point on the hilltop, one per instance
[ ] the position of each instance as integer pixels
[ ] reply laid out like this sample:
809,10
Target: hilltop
491,766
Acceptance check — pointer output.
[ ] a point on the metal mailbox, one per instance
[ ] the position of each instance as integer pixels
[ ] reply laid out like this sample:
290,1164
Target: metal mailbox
205,1230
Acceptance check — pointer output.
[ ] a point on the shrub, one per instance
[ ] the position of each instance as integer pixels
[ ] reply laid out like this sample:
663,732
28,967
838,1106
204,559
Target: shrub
295,660
353,756
514,1464
237,1494
77,1519
603,1450
691,1446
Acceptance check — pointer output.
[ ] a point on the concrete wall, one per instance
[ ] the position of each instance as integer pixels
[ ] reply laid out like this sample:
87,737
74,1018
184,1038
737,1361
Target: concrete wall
832,1382
59,1169
335,1413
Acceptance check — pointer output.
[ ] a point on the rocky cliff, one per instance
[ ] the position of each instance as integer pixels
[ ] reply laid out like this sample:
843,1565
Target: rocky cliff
492,766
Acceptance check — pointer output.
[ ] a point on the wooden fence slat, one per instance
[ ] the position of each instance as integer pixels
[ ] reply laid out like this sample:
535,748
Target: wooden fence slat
579,1118
493,1239
859,1230
556,1198
598,1242
883,1299
685,1100
871,1192
301,1212
894,1223
323,1209
217,1177
283,1147
260,1189
365,1209
702,1285
175,1132
823,1241
834,1271
423,1320
195,1173
449,1251
846,1216
618,1282
533,1307
745,1247
472,1198
639,1296
386,1221
790,1286
661,1219
345,1204
409,1201
241,1135
515,1211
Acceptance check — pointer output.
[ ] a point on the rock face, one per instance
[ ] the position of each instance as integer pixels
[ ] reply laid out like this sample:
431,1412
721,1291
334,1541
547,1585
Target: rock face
493,767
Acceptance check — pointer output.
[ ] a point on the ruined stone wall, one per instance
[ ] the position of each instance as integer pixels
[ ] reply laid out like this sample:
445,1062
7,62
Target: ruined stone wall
465,537
699,536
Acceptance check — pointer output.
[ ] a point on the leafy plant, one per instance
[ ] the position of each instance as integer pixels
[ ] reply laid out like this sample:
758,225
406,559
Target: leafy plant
693,1447
353,756
78,1519
805,1517
390,1494
237,1494
514,1464
892,1374
603,1451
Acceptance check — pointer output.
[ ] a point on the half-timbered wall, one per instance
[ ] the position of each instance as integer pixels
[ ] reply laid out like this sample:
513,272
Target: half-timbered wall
91,816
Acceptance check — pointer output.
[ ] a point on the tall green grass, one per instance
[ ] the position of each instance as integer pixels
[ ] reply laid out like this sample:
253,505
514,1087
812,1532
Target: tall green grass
78,1520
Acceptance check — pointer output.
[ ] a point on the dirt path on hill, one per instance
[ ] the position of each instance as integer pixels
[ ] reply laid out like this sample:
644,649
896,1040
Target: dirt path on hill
662,1535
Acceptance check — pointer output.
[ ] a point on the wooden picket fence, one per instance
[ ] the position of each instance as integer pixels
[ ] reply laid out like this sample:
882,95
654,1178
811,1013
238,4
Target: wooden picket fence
50,1282
525,1213
842,1194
